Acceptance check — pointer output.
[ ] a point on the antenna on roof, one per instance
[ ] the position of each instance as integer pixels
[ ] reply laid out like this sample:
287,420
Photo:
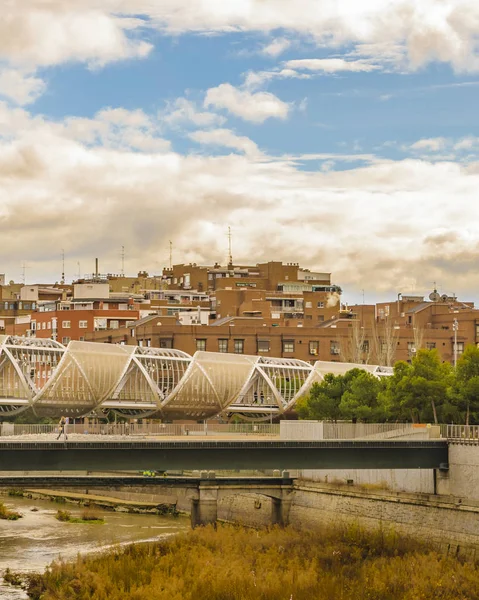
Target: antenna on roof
63,267
171,254
230,252
123,261
79,270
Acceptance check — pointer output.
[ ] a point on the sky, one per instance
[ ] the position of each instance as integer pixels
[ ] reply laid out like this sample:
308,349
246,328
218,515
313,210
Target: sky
342,135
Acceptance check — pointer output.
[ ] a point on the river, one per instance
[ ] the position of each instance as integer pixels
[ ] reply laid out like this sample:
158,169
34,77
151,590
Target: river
37,539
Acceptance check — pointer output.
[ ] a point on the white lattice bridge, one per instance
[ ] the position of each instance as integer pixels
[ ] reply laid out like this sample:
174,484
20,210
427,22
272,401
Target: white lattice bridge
84,377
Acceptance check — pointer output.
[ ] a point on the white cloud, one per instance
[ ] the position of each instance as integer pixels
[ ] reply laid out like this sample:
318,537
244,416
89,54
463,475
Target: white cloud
255,107
256,79
430,144
276,47
61,186
467,143
183,112
331,65
227,139
21,87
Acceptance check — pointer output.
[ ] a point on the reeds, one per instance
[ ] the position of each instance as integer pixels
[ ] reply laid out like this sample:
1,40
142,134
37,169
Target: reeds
87,516
233,563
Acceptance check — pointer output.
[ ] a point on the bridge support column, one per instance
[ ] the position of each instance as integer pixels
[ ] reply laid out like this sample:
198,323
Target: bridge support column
204,509
280,509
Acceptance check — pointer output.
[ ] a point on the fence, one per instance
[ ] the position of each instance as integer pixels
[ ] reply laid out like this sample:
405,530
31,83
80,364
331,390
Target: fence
143,429
464,434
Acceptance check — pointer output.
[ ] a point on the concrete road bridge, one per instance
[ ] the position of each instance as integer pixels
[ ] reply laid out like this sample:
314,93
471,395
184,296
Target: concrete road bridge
85,377
221,455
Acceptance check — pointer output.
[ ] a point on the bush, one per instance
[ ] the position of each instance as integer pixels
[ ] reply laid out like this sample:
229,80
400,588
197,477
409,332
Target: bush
7,514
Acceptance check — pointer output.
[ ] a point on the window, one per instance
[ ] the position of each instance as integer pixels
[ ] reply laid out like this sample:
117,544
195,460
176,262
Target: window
81,339
460,348
200,345
83,324
288,346
148,342
49,325
430,345
166,343
334,347
33,325
65,340
320,304
263,345
114,324
44,325
309,317
320,318
239,346
222,345
314,348
365,346
66,324
411,348
308,305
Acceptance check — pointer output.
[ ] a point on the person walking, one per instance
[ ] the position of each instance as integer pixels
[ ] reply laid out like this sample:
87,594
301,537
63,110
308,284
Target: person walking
62,426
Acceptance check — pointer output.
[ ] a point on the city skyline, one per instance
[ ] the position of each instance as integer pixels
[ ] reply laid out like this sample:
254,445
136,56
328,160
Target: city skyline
344,139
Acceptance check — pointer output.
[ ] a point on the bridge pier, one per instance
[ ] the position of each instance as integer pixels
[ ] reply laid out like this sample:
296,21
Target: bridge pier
204,509
280,509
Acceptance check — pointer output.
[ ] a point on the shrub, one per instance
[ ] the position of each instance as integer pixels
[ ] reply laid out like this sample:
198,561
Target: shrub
7,514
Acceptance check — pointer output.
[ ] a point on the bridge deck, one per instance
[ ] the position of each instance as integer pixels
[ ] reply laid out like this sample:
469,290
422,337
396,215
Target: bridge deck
221,454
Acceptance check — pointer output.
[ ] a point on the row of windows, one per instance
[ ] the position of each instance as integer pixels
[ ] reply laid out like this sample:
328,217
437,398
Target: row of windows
224,345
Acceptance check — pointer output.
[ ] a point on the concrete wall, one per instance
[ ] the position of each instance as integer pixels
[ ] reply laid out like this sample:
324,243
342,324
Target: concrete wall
419,481
462,479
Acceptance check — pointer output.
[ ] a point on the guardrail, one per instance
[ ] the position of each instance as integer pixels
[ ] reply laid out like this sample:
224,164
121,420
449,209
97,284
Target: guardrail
463,434
143,429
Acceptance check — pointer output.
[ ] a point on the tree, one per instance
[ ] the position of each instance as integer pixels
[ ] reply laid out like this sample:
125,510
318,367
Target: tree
384,339
467,383
423,387
322,402
355,348
360,399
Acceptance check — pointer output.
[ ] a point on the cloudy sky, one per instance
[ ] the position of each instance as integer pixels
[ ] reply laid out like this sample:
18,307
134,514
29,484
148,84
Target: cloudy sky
343,135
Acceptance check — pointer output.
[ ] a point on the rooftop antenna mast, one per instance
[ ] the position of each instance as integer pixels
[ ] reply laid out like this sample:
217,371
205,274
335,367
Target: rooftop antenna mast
171,255
24,269
63,267
79,270
230,252
123,261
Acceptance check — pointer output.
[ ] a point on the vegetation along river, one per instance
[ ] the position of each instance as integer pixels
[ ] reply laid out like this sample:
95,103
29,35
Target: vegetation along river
38,538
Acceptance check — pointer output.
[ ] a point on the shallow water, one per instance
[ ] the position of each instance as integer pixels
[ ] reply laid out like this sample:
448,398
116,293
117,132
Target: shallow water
37,539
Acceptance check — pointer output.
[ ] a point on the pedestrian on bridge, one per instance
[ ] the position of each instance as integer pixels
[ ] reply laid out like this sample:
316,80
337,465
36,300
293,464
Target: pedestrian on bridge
62,428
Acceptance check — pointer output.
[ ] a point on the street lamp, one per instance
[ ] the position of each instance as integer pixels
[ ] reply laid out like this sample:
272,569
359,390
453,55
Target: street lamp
455,327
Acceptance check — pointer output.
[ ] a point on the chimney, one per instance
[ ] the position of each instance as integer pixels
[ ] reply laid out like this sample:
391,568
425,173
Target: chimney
96,267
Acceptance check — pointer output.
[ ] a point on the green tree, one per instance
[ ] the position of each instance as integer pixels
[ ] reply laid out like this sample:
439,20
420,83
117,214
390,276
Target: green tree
420,389
322,402
466,388
360,400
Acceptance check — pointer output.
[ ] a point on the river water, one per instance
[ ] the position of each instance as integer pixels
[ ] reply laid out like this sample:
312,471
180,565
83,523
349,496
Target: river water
37,539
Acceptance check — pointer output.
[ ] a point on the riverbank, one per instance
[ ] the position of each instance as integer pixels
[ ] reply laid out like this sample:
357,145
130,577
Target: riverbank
101,501
278,564
38,538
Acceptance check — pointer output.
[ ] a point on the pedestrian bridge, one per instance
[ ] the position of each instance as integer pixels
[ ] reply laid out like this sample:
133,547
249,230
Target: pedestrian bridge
86,377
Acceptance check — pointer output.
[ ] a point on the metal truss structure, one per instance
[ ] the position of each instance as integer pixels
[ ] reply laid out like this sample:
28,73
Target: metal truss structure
87,377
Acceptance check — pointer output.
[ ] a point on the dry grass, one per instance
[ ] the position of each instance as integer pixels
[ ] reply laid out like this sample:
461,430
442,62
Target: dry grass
87,516
233,563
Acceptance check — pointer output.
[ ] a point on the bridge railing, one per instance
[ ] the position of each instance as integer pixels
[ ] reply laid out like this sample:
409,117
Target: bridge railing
143,429
465,434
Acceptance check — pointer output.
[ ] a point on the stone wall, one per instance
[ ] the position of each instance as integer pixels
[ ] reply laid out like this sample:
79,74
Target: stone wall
450,525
